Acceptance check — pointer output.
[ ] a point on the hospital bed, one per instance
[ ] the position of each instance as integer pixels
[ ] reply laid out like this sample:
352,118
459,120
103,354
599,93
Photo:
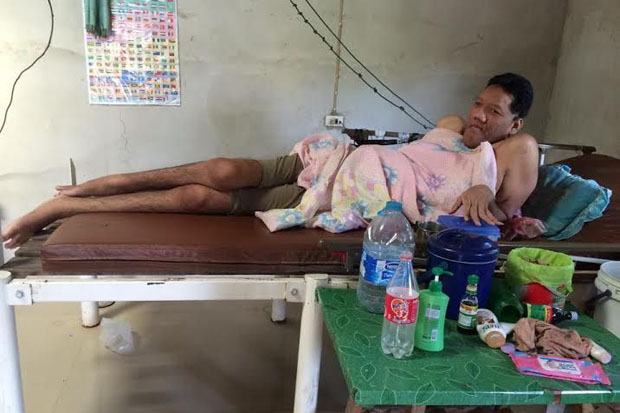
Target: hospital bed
160,257
170,257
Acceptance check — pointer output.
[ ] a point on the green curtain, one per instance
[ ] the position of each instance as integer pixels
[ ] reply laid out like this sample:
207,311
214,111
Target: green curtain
97,17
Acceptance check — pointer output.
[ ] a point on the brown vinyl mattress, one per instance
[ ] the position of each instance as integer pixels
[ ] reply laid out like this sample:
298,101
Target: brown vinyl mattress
606,171
134,243
147,243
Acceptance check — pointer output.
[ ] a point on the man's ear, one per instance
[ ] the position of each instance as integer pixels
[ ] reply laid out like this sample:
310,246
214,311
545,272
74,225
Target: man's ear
517,124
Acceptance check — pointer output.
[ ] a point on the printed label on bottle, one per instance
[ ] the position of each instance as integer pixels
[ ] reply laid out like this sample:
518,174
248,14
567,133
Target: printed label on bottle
378,272
539,312
433,311
431,328
401,310
467,316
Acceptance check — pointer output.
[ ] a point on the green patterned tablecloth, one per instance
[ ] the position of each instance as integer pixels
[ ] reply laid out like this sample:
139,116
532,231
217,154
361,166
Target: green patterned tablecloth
467,372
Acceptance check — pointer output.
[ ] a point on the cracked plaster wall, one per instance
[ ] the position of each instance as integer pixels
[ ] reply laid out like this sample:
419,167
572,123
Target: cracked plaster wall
254,81
585,104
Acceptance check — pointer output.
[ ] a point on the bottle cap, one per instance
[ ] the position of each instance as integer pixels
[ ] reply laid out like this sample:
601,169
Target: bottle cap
495,338
435,285
573,315
437,271
393,206
406,256
473,279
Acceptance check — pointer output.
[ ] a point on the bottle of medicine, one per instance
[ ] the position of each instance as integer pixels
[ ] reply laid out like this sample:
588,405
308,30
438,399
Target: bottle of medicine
468,307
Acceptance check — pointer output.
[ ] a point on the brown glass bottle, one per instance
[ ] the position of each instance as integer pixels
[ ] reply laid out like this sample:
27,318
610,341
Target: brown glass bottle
468,308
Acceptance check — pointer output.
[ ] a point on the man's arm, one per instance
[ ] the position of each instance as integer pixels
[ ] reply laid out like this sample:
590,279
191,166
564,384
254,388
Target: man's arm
520,154
452,122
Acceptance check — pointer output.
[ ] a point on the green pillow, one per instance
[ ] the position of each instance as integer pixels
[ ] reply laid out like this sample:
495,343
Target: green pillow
564,202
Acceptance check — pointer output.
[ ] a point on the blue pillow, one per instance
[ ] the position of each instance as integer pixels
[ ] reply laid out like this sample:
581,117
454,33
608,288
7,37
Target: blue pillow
564,202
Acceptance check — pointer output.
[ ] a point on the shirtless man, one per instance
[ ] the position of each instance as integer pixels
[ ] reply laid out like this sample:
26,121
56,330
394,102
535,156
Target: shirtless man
242,186
497,116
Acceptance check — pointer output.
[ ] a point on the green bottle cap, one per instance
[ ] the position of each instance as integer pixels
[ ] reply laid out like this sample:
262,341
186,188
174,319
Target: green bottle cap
473,279
435,286
437,271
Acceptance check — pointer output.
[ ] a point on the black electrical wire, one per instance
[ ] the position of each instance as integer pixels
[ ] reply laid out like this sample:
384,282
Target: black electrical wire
359,74
364,66
49,42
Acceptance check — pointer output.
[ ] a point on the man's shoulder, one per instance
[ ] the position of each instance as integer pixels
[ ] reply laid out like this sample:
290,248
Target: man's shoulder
521,143
524,139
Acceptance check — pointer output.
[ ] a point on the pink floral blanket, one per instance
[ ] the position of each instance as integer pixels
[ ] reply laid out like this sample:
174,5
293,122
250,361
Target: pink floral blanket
346,188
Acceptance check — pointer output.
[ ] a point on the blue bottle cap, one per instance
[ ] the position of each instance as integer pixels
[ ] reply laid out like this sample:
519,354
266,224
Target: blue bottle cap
393,206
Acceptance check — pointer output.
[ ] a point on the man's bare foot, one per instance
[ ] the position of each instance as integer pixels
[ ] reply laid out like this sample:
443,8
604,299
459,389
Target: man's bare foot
107,185
71,190
20,230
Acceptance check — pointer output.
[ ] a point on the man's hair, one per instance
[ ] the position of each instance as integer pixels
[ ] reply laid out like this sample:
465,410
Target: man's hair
519,87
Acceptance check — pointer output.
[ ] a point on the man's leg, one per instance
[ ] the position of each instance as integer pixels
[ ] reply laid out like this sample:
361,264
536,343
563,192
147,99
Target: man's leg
221,174
182,199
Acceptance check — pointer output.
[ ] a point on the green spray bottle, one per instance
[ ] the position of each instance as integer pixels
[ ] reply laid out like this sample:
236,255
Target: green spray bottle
433,304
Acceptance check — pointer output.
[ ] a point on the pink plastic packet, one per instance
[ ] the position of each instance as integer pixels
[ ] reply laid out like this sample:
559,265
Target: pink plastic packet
583,371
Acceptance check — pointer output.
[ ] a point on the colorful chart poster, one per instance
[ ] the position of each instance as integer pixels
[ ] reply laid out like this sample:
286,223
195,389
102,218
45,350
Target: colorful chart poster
139,63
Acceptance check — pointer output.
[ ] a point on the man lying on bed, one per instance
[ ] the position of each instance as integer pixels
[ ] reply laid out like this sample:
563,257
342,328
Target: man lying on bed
243,186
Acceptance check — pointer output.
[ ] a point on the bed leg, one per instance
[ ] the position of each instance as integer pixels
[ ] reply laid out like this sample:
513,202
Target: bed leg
310,341
90,314
11,396
90,310
278,311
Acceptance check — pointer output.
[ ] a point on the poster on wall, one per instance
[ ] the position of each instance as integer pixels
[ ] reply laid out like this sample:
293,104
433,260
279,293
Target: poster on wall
138,64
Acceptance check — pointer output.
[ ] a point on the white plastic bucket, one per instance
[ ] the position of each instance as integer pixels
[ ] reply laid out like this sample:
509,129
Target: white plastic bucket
608,309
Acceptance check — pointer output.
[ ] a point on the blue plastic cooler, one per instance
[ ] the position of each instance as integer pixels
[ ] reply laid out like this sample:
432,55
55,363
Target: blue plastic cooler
462,254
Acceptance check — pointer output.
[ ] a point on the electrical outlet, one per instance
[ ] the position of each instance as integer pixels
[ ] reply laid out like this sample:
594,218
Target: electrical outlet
334,121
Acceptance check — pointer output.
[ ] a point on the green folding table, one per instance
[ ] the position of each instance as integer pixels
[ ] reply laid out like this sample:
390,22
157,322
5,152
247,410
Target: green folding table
466,372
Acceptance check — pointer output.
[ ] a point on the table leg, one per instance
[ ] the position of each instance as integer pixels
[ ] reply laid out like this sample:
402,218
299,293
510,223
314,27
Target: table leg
587,408
310,341
555,408
278,311
11,397
352,407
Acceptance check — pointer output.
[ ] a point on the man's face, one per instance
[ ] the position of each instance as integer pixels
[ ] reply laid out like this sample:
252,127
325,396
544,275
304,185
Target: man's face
490,118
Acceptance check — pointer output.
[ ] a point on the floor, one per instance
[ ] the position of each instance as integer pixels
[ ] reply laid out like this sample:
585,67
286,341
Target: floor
189,357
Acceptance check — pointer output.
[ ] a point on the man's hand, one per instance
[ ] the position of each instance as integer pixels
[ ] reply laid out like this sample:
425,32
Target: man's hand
524,228
479,203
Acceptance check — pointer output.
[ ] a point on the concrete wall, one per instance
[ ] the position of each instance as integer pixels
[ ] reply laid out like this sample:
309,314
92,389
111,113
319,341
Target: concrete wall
254,81
585,107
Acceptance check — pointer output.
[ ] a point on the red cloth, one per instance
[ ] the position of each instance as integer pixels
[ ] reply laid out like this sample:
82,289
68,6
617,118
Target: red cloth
523,228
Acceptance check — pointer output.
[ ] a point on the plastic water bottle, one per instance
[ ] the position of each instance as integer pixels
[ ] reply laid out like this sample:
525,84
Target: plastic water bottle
401,310
388,236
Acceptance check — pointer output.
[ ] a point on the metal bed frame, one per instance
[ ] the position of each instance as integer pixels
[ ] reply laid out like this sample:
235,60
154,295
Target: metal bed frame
373,137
